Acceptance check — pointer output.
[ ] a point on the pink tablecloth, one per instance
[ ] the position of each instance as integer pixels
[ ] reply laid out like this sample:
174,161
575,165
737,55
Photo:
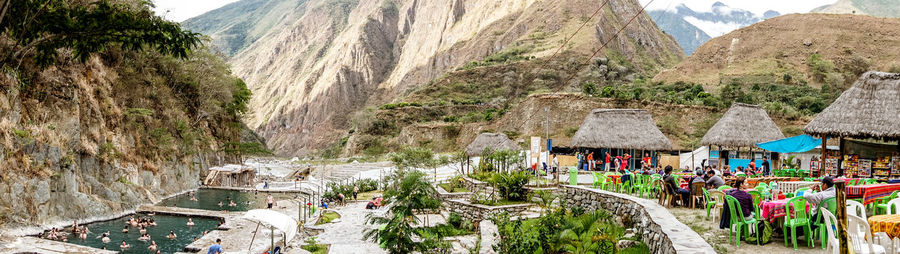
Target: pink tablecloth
771,210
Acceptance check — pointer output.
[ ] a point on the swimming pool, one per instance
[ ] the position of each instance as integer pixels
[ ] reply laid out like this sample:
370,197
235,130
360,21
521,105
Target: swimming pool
157,233
208,199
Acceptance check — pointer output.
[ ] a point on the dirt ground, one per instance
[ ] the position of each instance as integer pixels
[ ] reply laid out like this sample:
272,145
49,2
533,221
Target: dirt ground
718,238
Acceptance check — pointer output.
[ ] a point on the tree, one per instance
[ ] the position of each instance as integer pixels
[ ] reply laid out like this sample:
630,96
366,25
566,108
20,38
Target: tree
40,28
408,195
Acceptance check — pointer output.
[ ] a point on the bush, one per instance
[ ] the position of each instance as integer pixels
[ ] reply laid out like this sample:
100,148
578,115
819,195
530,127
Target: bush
511,186
365,185
589,88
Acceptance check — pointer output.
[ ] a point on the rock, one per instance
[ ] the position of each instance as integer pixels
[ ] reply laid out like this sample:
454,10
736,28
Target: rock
488,236
42,192
807,42
624,244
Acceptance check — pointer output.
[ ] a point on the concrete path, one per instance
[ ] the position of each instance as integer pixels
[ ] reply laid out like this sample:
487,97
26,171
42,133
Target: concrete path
346,236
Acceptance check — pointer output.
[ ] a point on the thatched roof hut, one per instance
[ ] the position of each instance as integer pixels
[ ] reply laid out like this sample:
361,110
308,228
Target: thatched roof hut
620,128
743,125
869,109
494,141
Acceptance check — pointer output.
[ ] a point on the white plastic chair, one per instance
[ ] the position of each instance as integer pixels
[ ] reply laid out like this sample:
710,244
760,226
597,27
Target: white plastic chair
861,236
893,203
882,238
830,220
856,208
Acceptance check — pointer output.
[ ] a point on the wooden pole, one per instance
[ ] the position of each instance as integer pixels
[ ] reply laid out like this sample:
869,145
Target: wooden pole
841,158
841,198
253,238
824,155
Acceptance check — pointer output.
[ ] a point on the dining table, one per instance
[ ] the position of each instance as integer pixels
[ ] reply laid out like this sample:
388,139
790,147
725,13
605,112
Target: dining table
887,223
774,209
871,192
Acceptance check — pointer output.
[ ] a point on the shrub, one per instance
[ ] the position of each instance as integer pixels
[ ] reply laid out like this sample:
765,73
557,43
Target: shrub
589,88
511,186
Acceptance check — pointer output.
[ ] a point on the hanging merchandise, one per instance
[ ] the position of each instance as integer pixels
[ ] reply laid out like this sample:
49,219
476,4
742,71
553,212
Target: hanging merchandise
864,168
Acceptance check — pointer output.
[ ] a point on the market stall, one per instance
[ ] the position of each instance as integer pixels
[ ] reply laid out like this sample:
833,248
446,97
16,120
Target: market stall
733,139
866,120
621,131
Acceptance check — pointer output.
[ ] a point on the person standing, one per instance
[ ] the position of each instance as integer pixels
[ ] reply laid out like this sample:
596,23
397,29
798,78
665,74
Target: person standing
270,201
554,165
578,157
625,160
216,248
606,165
590,161
765,165
355,191
647,161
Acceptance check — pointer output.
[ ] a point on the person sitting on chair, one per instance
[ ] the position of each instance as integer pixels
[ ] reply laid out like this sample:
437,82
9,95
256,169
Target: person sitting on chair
670,179
744,198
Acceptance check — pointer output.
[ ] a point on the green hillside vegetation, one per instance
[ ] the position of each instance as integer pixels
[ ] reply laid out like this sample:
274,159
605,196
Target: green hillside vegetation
154,94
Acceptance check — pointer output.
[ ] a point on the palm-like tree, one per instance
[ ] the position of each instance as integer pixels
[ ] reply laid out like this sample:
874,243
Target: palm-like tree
586,235
408,194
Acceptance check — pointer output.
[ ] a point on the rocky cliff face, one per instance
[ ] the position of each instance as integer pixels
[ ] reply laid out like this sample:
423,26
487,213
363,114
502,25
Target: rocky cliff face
326,59
92,140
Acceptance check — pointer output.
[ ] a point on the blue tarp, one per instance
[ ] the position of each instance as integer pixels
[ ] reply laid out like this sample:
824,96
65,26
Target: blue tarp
796,144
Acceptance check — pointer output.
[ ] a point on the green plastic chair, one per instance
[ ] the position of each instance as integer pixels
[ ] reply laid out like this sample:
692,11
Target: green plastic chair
724,187
881,203
757,198
796,216
652,189
642,184
831,205
799,192
599,179
628,187
763,184
738,220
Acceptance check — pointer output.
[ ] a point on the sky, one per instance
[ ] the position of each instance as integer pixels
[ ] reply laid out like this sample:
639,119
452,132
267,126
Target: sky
179,10
756,6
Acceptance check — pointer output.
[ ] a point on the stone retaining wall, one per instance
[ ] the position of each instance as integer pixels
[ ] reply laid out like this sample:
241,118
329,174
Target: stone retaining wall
476,212
659,229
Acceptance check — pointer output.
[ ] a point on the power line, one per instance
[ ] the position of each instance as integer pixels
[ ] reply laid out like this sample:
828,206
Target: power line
577,69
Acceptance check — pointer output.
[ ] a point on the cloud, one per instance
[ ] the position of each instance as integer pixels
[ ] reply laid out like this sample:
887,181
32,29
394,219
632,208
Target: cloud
758,7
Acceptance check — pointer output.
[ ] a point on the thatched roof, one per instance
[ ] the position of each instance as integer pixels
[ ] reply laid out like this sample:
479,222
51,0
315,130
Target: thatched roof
869,109
620,128
743,125
494,141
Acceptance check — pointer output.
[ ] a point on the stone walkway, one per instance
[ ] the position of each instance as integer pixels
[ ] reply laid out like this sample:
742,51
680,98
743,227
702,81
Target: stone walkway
346,236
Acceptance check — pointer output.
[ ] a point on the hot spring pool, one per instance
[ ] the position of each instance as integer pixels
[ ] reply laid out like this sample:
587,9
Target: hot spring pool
208,199
157,233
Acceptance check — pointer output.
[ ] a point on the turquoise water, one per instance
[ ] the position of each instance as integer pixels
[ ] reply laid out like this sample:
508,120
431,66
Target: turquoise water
157,233
208,199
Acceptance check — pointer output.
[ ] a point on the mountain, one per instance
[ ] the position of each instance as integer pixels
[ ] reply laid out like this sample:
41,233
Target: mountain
794,49
692,28
323,63
877,8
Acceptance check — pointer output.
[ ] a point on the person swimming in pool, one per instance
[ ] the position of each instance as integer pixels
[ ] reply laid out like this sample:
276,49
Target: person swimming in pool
152,246
220,203
231,203
125,230
143,229
144,237
105,237
124,245
190,222
172,234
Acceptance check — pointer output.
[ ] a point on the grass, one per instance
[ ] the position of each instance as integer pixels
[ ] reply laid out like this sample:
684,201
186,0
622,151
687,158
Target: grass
446,230
327,217
640,248
450,188
365,196
316,249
